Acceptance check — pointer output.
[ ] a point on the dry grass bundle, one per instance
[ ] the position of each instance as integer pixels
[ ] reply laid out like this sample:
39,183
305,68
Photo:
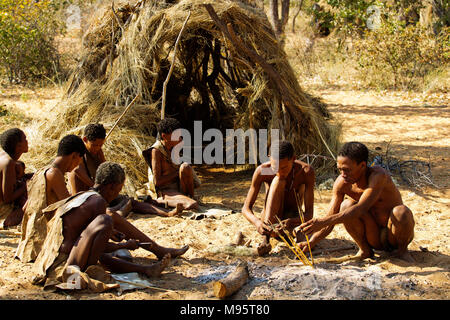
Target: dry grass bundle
127,53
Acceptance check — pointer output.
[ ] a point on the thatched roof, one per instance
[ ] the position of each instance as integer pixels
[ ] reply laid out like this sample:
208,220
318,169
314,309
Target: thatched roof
127,52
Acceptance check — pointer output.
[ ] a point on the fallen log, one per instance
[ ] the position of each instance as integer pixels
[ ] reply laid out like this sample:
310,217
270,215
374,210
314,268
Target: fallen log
231,283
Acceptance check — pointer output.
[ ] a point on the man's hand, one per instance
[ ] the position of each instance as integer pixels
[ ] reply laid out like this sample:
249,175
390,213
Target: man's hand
117,236
313,225
131,244
263,228
284,225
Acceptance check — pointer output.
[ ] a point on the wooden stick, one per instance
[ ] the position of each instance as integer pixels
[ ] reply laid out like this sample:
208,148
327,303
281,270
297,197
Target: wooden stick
299,253
163,106
143,285
121,116
302,218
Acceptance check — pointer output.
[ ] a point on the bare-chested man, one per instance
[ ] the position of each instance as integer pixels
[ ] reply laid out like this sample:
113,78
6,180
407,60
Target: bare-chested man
13,190
373,214
87,224
83,176
283,176
170,182
47,186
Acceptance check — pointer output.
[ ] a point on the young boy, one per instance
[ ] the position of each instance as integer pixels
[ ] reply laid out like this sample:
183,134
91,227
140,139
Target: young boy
285,179
170,182
45,188
13,189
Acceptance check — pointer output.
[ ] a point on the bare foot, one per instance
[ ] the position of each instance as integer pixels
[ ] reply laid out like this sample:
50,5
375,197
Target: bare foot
264,248
404,255
14,219
177,211
156,269
361,255
172,251
126,208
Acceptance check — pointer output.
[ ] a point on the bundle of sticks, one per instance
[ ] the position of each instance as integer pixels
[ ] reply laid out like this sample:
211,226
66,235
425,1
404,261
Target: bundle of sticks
292,244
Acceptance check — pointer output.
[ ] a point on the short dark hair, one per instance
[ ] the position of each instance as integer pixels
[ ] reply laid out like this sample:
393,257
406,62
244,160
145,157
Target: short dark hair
94,131
355,151
168,125
285,149
69,144
109,173
9,140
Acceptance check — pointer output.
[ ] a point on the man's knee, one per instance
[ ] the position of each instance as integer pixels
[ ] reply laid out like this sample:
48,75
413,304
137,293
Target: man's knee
104,222
185,168
402,215
347,203
191,205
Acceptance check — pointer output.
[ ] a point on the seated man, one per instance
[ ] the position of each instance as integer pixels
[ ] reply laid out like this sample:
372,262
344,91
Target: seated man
13,190
82,226
173,183
373,214
83,176
283,177
46,187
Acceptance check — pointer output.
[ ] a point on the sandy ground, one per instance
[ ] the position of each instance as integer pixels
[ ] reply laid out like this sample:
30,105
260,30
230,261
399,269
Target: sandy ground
416,127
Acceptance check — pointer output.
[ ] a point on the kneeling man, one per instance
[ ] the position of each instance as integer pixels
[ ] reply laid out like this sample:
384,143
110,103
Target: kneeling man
283,177
373,214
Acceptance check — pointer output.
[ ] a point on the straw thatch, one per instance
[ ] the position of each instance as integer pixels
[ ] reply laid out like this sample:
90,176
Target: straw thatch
128,51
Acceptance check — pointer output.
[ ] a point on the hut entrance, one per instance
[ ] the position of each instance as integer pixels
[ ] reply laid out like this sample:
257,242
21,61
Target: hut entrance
201,88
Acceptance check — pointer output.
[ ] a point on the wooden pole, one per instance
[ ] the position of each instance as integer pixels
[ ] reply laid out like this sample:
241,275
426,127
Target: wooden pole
121,116
163,106
302,218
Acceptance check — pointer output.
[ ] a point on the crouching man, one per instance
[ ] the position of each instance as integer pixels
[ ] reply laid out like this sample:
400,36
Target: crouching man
373,212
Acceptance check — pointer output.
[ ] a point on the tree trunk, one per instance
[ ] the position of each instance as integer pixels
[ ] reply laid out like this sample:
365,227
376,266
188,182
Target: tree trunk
277,23
296,14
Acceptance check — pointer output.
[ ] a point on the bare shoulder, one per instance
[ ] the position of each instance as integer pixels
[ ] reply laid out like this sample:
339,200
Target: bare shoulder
340,186
263,172
156,154
6,161
95,203
306,168
53,174
378,174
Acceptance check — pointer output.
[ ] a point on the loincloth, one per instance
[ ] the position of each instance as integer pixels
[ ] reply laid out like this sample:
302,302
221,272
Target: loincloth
60,275
50,267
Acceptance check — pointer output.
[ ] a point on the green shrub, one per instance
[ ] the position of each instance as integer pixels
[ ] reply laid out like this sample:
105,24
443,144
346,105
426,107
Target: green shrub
400,56
27,40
